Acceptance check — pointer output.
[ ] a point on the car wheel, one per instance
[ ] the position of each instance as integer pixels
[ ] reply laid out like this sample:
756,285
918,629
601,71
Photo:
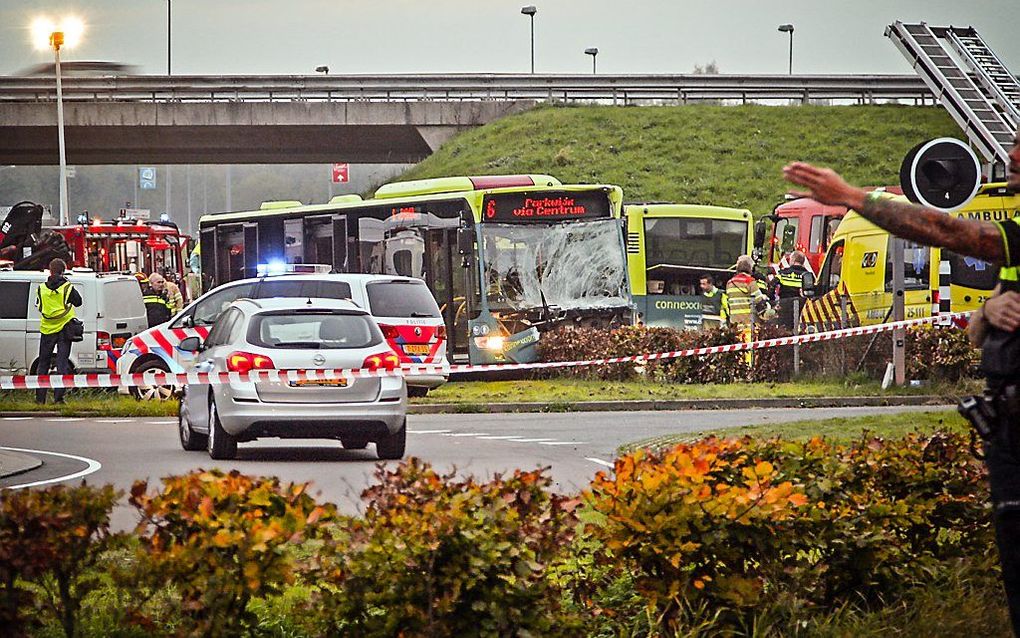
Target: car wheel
417,391
152,392
392,446
190,440
222,446
353,443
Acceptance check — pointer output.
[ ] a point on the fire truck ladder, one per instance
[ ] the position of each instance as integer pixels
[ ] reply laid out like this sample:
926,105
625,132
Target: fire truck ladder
987,106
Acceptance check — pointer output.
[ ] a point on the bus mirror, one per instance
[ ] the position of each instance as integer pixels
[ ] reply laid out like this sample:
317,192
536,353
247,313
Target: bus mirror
789,239
465,241
807,284
759,234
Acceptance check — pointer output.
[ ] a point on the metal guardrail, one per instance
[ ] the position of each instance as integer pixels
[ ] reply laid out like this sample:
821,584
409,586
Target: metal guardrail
612,89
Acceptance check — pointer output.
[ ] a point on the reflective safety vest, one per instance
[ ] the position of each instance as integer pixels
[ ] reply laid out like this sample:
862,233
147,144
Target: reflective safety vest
55,308
715,303
157,309
791,281
743,294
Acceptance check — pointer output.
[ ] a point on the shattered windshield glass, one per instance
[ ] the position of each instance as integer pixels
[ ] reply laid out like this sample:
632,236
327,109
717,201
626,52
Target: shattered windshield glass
571,265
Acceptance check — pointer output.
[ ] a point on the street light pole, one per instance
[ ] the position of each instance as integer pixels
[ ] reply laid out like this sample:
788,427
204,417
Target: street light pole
57,41
788,28
593,52
168,38
530,11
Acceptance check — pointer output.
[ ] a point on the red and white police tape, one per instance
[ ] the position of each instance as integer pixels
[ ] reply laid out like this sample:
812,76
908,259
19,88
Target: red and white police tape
150,378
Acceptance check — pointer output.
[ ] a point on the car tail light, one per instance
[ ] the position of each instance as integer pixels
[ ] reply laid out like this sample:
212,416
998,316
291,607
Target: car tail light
246,361
441,332
102,340
381,361
389,332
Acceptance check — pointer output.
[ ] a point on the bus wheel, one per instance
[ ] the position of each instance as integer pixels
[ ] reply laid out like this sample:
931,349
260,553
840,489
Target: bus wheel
152,392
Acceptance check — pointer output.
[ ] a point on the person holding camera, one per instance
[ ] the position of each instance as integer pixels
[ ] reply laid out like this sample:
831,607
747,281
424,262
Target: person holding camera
56,300
996,414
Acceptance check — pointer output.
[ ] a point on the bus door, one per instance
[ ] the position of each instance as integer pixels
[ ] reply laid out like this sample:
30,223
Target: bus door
448,282
232,259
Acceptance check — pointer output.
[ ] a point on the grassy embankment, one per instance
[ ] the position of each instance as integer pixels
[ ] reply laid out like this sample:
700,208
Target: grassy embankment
721,155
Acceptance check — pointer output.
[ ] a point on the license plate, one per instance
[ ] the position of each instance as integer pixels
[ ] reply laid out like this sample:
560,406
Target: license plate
416,349
329,383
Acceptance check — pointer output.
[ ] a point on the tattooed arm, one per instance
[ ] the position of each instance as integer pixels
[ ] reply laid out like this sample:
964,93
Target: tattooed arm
983,240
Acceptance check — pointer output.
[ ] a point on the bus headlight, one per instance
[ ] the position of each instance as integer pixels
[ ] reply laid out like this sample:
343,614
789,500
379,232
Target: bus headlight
494,343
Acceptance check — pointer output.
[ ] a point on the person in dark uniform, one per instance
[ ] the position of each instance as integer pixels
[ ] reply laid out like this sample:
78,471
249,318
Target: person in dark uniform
996,327
157,305
56,300
714,304
791,283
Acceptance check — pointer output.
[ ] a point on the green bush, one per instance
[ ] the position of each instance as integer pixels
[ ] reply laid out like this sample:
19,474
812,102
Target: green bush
50,539
436,555
933,352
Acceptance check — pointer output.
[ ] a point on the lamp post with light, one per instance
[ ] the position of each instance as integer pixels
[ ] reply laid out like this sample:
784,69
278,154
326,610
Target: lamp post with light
788,28
593,52
530,11
49,35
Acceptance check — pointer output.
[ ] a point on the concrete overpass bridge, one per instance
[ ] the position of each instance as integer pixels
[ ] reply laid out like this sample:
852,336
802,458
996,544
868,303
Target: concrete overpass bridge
358,119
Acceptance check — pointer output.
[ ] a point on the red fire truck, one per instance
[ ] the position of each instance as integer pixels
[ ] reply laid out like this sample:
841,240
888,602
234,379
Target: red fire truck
118,245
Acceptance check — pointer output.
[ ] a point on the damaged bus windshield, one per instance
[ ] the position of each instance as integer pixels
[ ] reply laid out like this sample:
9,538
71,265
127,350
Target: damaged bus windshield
566,266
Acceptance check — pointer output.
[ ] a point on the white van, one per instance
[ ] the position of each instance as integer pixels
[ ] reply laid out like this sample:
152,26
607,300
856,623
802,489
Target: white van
112,311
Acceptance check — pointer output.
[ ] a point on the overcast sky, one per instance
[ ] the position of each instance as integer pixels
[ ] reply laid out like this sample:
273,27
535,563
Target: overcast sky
445,36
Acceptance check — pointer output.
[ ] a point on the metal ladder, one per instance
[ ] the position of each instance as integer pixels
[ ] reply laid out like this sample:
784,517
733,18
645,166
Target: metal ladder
988,110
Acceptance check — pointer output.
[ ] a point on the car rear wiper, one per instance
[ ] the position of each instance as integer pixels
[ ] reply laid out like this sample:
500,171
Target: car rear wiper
299,344
422,314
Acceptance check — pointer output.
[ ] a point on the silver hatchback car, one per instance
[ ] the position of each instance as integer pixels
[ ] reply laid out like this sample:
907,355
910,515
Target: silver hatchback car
294,334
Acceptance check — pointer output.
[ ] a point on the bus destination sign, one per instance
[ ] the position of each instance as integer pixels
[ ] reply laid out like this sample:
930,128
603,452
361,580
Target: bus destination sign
545,206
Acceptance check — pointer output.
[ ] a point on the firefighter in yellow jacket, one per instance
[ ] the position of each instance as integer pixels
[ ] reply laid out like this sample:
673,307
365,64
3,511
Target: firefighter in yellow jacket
56,300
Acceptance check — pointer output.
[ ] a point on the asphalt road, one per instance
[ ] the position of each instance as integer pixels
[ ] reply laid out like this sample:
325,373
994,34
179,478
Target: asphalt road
573,445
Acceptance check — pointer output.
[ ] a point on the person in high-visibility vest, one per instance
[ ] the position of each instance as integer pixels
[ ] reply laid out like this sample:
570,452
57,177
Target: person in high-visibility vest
173,295
714,304
157,306
744,294
56,300
790,286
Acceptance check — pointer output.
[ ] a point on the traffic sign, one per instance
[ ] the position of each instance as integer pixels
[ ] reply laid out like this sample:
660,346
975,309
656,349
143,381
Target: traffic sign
147,178
341,173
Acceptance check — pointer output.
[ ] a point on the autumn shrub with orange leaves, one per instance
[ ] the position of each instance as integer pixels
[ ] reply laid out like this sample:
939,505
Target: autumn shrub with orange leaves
221,540
735,525
438,555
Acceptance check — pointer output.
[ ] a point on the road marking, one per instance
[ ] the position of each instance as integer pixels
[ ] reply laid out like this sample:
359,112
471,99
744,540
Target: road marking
112,421
427,431
599,461
533,440
161,422
70,419
511,437
469,434
561,443
93,466
17,418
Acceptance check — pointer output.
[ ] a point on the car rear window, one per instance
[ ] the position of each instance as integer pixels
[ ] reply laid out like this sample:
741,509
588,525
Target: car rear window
304,288
313,330
401,299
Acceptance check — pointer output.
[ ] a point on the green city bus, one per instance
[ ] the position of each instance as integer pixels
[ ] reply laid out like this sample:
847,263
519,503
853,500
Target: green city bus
507,257
669,248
